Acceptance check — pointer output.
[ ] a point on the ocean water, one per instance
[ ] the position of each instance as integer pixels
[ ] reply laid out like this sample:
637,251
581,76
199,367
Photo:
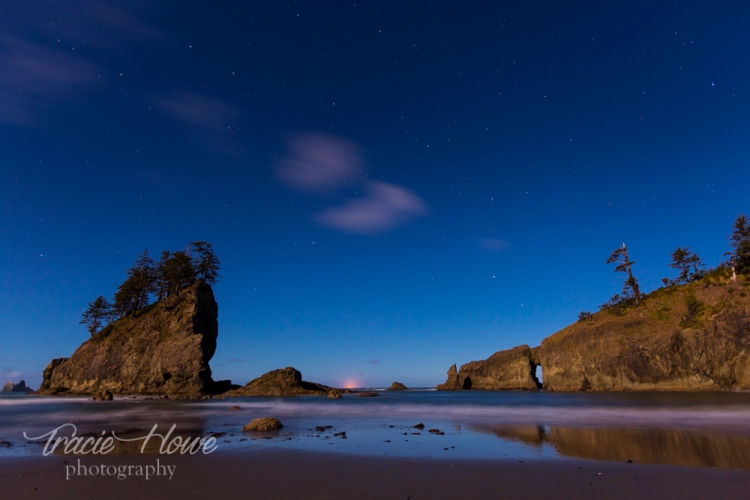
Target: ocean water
687,429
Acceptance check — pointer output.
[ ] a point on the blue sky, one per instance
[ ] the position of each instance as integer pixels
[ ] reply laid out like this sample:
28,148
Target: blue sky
392,187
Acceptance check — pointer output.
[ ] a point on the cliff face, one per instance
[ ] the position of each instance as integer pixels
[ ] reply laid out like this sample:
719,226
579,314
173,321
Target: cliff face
505,370
282,382
682,338
653,347
159,352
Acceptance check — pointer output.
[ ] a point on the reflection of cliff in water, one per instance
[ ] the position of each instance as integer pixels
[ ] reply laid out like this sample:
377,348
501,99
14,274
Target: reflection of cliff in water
650,446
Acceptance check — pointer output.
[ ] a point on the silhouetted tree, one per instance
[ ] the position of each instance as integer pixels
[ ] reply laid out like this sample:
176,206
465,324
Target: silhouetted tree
180,272
134,292
689,265
98,313
205,263
630,288
739,240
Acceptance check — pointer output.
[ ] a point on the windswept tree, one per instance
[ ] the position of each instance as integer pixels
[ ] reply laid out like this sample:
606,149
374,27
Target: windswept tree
135,291
180,272
205,263
739,241
630,289
689,265
97,315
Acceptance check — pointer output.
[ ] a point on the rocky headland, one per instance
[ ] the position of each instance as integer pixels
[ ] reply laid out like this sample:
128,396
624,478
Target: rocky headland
161,351
693,337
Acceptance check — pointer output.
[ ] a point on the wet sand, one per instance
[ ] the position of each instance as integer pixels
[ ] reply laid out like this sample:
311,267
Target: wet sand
279,474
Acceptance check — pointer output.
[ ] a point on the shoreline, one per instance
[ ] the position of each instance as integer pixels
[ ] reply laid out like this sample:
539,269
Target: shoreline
271,474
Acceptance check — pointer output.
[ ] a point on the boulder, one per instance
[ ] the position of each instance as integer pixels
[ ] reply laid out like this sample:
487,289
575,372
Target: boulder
161,351
282,382
398,386
263,424
334,394
512,369
104,395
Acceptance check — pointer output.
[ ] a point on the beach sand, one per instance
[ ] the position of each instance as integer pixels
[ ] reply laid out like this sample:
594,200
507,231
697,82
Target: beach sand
278,474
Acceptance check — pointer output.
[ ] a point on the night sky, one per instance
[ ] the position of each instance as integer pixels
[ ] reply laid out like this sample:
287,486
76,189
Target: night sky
391,186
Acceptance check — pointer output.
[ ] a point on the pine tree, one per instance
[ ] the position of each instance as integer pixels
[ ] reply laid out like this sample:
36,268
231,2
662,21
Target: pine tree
98,313
739,241
689,265
135,291
630,288
205,263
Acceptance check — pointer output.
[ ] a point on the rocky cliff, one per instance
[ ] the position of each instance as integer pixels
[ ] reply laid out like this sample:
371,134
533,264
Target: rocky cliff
161,351
505,370
282,382
690,337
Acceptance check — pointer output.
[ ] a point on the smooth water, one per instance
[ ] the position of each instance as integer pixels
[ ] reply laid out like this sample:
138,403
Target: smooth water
692,429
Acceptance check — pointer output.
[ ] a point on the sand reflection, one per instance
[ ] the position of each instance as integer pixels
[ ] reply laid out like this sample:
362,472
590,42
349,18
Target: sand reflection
691,448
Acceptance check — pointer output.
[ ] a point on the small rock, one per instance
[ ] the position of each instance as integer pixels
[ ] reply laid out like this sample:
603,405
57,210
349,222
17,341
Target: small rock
398,386
419,426
235,407
104,395
334,394
367,394
436,431
263,424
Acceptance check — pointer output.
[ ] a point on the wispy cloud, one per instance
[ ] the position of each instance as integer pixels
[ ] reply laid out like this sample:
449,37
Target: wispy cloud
35,79
316,163
373,362
319,163
383,207
492,245
199,111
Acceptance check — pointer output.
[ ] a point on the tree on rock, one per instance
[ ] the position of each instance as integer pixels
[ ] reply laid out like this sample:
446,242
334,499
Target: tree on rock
689,265
739,240
630,289
98,313
135,291
205,263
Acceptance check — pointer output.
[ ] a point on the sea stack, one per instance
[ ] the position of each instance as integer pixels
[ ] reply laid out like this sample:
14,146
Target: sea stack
161,351
282,382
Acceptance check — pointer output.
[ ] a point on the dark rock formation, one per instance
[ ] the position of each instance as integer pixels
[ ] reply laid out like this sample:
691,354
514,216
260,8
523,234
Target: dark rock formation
104,395
398,386
263,424
282,382
505,370
159,352
367,394
19,387
452,384
334,394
